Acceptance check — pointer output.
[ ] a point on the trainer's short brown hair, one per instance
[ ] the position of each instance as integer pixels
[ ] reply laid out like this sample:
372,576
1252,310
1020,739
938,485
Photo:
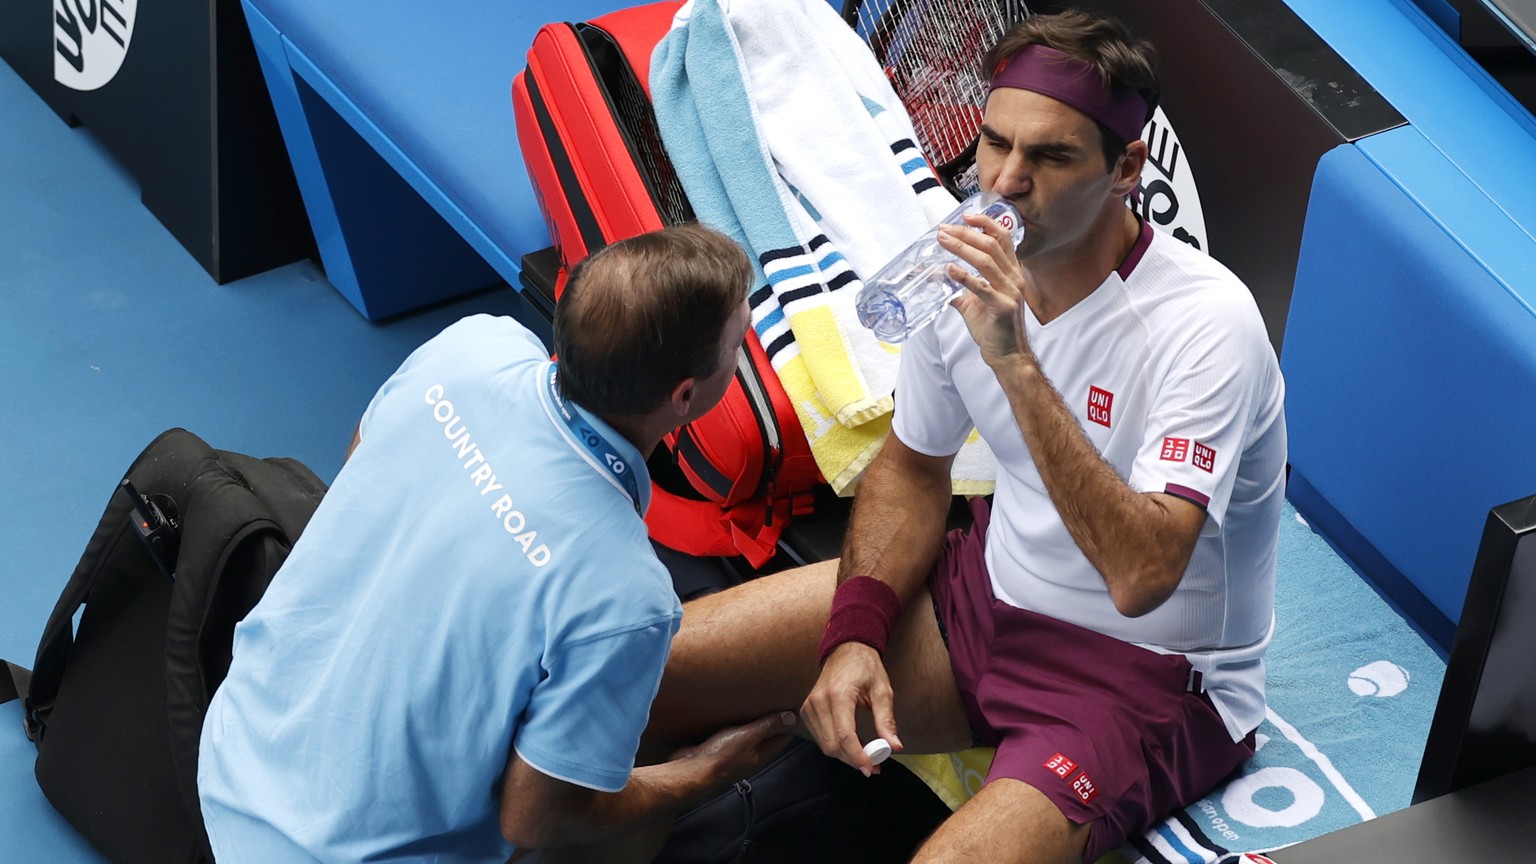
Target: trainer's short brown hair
639,316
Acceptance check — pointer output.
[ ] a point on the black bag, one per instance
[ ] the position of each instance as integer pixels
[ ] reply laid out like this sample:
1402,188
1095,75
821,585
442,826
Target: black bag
187,545
809,808
803,806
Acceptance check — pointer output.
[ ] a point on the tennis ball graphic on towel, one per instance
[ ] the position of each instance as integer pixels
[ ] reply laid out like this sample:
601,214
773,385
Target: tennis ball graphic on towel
1381,679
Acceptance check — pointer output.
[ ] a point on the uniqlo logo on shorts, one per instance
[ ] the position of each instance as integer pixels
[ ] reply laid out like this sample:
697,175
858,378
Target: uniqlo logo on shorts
1175,449
1204,458
1060,765
1084,787
1099,402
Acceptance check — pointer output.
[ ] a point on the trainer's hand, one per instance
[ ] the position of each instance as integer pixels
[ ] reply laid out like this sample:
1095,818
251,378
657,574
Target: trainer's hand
853,678
737,751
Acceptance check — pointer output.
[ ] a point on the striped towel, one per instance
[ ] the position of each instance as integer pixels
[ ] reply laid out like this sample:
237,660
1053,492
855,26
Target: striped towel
799,149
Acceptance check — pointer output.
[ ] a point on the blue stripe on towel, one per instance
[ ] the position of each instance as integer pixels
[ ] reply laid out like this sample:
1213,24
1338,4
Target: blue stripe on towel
1178,845
827,262
912,164
771,320
788,273
1148,852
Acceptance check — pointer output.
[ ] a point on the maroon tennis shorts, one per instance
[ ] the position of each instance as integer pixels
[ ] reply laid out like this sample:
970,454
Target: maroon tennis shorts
1111,733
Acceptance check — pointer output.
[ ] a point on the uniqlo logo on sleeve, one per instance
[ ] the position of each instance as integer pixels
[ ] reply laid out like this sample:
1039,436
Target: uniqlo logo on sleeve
1060,765
1175,449
1099,403
1204,458
1084,787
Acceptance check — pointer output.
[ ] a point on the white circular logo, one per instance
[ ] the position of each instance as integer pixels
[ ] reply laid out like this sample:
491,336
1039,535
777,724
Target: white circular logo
90,40
1240,796
1169,199
1382,679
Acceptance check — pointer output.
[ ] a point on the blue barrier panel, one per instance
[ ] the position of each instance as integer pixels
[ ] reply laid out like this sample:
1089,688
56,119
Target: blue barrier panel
1410,358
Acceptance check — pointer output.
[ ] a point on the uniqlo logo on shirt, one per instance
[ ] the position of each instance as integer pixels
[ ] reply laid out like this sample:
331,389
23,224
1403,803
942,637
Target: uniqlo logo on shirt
1099,402
1084,787
1204,458
1175,449
1060,765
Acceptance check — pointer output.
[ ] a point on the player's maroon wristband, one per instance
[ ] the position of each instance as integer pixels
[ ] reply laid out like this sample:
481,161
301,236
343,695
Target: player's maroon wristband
864,609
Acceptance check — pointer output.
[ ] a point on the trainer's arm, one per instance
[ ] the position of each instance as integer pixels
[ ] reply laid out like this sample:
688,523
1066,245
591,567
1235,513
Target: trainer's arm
541,812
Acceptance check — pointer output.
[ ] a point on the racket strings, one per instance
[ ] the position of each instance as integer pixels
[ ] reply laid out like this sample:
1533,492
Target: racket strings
931,52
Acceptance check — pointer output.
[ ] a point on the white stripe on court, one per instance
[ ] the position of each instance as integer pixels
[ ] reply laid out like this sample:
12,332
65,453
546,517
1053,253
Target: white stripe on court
1311,752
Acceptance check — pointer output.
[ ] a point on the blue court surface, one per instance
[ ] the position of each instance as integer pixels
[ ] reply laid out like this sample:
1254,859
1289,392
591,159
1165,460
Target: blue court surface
110,333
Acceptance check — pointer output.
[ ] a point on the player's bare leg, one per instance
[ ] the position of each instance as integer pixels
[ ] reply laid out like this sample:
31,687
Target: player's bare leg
754,649
1008,822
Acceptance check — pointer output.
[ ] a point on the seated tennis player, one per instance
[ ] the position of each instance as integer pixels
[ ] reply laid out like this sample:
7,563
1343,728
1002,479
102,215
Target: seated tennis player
1104,621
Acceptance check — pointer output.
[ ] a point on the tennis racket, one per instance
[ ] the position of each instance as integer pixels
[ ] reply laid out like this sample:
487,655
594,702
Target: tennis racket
931,52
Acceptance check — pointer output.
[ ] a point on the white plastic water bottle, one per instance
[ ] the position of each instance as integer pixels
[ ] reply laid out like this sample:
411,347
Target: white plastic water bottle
910,291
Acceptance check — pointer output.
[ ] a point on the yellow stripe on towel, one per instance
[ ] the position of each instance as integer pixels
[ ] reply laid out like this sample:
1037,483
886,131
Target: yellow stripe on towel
834,371
841,453
954,777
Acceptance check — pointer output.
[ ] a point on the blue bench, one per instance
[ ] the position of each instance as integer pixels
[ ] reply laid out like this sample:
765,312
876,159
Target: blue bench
1410,349
398,120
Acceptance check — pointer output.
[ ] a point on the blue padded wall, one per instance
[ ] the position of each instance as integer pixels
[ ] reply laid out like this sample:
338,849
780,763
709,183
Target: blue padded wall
1410,359
1410,348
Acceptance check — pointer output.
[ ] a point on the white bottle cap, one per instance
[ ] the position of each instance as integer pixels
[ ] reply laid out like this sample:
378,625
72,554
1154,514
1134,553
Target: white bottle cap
877,750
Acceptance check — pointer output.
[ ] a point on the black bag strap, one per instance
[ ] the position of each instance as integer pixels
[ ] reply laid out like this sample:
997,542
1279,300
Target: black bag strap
240,519
14,681
58,634
166,460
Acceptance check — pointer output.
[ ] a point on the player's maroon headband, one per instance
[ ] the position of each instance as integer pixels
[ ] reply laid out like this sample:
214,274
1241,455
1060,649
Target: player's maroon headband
1061,76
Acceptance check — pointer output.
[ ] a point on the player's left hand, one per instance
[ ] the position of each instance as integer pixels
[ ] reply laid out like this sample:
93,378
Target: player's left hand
993,306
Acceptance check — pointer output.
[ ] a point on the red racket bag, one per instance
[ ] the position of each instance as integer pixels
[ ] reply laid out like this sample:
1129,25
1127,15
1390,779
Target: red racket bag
728,483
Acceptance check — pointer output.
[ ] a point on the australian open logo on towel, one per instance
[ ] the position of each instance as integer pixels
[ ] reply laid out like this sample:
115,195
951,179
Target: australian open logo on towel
90,40
1169,199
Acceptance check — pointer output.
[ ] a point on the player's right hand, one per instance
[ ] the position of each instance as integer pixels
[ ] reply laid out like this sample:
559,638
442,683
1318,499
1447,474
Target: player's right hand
852,680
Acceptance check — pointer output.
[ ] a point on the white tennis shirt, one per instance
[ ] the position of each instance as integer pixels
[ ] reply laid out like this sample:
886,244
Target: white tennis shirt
1169,370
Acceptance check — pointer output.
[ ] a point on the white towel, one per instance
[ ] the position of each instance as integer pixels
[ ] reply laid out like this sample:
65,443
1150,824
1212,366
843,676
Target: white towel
787,136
